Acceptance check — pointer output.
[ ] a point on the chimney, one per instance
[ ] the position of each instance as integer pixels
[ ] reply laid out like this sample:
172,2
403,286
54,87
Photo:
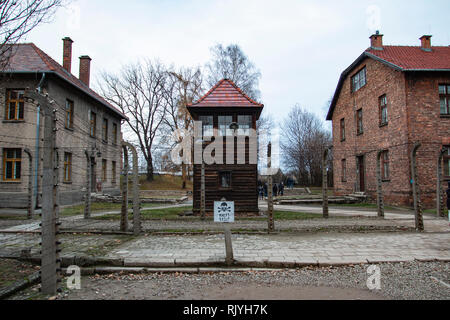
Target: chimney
425,43
376,41
67,54
85,69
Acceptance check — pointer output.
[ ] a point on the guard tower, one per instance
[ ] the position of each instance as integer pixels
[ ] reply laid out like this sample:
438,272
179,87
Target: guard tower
227,114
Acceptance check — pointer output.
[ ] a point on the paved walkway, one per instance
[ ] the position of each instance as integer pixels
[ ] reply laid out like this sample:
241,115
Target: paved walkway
284,250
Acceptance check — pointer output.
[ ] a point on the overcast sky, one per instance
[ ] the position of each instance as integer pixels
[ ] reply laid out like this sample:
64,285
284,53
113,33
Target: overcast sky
300,47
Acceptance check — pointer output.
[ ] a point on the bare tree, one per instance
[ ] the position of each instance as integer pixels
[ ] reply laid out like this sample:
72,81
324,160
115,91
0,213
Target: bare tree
184,86
231,63
139,91
18,18
303,140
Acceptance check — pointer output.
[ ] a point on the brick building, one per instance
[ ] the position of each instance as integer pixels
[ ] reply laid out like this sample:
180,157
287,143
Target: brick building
85,122
389,98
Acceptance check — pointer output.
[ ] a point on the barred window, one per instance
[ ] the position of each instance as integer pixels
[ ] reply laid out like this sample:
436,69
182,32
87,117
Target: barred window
104,172
359,121
15,104
92,123
67,167
12,163
69,114
115,133
383,110
444,99
225,179
343,170
342,129
113,172
105,130
447,163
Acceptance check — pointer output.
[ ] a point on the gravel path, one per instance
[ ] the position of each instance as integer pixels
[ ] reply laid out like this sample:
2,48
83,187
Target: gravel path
412,280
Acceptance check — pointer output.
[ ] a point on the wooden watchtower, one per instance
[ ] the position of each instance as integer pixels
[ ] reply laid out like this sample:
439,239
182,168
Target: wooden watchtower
227,113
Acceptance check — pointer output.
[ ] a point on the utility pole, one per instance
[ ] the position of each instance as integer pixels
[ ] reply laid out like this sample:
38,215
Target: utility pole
124,212
415,189
380,202
325,183
87,200
50,262
270,222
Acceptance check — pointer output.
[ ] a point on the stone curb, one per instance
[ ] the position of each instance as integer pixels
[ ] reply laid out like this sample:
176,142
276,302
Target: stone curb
20,285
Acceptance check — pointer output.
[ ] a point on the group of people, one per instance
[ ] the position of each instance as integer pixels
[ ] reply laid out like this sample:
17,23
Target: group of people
277,189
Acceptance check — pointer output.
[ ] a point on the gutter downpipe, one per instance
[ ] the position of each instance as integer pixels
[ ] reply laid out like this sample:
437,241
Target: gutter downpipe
36,157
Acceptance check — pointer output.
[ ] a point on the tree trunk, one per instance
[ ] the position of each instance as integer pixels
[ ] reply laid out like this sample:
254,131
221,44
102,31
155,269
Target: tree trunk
150,169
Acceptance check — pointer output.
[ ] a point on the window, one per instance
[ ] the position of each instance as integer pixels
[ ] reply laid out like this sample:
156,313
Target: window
447,163
105,130
14,104
359,80
224,125
69,114
245,124
67,167
113,172
385,165
444,98
104,170
383,110
344,170
115,133
207,126
342,129
92,123
12,161
225,179
359,121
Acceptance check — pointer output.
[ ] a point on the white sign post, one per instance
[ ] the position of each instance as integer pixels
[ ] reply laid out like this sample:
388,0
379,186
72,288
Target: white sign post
224,212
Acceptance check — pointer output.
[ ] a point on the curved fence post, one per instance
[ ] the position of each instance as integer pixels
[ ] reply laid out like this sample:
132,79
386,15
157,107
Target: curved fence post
439,190
415,187
380,202
136,206
124,211
30,204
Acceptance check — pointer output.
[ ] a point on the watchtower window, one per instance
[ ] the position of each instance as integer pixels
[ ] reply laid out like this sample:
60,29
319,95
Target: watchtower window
225,179
245,124
207,126
224,125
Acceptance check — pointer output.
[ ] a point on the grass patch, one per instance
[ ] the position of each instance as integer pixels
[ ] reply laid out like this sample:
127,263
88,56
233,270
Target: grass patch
362,205
13,270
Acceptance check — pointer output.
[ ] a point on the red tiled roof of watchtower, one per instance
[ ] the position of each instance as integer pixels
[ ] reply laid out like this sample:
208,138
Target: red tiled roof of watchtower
225,94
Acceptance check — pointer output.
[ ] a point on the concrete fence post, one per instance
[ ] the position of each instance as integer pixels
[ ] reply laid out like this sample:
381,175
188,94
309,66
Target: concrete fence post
136,204
124,211
325,183
380,202
416,189
87,200
202,192
50,262
30,204
270,222
440,208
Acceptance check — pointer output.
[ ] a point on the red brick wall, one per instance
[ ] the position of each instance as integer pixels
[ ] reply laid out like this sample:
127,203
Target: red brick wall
413,115
393,136
427,126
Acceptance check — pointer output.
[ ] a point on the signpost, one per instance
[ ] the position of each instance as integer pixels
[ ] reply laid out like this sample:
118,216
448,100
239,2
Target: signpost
224,212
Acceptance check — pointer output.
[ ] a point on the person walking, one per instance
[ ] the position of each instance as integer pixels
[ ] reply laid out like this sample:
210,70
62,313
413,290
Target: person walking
275,189
265,189
281,188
